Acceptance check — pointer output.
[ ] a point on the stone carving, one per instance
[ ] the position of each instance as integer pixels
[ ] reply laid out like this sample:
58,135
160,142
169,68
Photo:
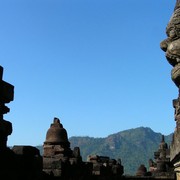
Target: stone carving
20,162
142,170
59,161
104,166
176,105
58,158
171,45
162,165
162,157
152,166
6,96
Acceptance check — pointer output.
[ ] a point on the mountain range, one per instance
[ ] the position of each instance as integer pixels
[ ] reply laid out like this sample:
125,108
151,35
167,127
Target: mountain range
134,147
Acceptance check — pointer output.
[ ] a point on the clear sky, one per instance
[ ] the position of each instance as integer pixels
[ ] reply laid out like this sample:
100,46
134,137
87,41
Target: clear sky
95,64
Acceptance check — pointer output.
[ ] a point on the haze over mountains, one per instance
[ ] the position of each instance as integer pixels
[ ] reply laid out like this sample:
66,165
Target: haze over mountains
134,146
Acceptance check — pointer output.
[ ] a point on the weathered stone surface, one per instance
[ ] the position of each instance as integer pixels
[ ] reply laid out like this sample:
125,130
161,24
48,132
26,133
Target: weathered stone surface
59,161
58,158
175,151
6,89
56,134
1,72
161,167
52,163
52,150
7,92
171,45
5,127
175,145
6,95
26,151
103,165
142,170
28,157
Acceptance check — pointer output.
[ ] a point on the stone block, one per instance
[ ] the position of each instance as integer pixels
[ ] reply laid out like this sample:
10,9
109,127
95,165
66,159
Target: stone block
5,127
53,172
51,150
57,172
48,150
6,92
26,150
74,161
96,167
1,72
28,158
52,163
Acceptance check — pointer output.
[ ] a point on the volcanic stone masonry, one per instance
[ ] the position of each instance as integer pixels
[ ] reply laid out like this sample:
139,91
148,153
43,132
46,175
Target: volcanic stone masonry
162,166
19,162
60,162
171,46
6,96
58,158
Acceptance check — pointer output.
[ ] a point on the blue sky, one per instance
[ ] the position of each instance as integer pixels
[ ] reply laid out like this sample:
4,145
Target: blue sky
95,64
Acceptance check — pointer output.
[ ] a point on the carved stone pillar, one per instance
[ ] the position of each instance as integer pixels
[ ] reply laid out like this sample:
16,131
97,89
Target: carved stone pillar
6,95
171,46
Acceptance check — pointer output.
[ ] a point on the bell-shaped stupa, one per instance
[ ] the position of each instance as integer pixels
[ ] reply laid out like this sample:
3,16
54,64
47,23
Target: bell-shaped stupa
57,135
57,154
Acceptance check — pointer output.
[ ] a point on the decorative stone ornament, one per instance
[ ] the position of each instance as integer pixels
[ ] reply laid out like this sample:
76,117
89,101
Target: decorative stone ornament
171,45
56,134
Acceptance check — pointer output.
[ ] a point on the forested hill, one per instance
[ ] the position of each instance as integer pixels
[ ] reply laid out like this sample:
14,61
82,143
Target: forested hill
133,146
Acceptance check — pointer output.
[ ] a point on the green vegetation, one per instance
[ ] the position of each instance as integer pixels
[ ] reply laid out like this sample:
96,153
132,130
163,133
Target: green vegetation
134,147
